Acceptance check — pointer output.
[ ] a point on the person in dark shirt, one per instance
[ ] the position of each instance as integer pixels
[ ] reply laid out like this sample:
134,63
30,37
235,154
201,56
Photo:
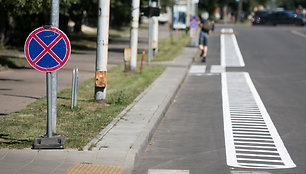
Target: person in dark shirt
203,39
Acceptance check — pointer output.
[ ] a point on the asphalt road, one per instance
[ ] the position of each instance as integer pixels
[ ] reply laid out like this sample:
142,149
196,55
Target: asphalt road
191,137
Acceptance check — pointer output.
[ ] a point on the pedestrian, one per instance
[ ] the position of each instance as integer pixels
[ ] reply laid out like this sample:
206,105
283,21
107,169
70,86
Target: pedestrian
203,39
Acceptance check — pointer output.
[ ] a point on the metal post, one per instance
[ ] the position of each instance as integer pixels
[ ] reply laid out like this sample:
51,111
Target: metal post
134,34
76,84
54,23
49,104
150,48
192,30
102,50
51,140
72,89
155,31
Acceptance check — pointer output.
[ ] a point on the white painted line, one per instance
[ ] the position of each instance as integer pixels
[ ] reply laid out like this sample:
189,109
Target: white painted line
230,53
249,130
260,160
251,133
217,69
257,151
160,171
260,143
227,30
261,147
222,51
238,52
249,172
197,69
256,155
298,33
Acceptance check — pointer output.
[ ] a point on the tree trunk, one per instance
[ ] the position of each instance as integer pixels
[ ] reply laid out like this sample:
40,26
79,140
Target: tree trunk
239,11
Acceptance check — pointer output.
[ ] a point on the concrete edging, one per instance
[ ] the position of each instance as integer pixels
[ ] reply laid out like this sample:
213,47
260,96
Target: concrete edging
142,141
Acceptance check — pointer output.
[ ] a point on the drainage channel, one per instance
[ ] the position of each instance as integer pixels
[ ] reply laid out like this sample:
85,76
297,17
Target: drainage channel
251,138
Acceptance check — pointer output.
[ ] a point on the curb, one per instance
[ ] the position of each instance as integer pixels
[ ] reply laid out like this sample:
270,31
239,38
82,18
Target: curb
142,141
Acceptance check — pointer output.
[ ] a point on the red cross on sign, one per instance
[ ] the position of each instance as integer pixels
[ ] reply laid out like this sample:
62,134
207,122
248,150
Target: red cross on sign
47,49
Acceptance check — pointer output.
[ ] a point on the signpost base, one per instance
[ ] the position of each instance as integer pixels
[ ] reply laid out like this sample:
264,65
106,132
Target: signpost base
54,142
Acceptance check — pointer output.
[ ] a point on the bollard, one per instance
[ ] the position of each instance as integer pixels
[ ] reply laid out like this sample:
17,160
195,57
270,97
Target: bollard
142,58
74,89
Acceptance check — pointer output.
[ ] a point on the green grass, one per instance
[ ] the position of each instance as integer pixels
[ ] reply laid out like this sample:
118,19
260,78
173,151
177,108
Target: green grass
168,49
79,126
15,63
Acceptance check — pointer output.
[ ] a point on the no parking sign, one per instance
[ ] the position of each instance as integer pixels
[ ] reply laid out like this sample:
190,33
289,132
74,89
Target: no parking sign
194,21
47,49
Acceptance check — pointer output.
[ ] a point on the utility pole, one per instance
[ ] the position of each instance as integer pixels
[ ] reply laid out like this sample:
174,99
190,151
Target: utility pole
240,2
155,30
134,34
150,48
102,50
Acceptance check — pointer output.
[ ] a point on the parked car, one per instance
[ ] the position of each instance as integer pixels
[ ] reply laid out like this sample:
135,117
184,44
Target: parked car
259,17
285,17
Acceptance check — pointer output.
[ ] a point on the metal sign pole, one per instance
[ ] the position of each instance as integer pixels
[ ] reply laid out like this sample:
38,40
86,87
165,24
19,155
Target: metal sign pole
54,23
51,141
49,104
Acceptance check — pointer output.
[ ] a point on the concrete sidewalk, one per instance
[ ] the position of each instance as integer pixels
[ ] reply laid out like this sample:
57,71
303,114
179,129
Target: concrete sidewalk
119,145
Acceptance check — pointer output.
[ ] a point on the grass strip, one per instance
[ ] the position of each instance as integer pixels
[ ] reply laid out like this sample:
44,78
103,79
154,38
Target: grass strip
168,49
15,63
79,126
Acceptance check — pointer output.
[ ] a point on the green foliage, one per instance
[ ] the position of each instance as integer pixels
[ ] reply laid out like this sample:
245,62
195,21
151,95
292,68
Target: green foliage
292,4
120,12
19,17
211,5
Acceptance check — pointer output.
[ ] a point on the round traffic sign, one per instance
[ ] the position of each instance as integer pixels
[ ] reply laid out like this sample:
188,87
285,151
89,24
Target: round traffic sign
47,49
194,21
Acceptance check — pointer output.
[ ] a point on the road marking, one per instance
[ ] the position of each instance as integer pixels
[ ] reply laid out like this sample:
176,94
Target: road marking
250,172
251,139
197,70
160,171
230,52
217,69
298,33
227,30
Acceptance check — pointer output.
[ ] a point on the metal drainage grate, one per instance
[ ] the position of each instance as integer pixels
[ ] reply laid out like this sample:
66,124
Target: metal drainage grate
251,138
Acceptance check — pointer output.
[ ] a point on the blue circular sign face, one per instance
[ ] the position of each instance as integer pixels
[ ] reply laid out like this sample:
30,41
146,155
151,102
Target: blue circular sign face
47,49
194,21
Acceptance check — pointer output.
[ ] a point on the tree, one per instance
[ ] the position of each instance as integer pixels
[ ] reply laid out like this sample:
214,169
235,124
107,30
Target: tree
291,5
19,17
209,5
